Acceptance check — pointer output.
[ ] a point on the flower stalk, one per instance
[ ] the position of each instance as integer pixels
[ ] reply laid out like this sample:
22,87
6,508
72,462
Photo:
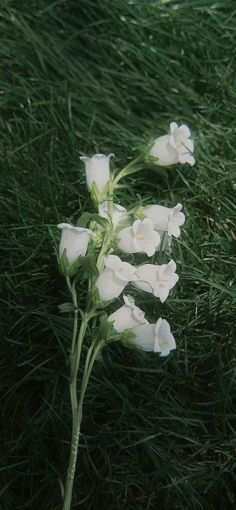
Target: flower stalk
142,230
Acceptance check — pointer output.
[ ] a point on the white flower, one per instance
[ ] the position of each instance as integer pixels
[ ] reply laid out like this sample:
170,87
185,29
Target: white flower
97,170
119,213
74,240
127,316
114,277
140,237
176,147
165,219
157,280
154,337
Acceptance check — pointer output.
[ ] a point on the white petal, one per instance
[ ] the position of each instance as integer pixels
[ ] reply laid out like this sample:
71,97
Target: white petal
129,300
173,127
147,277
186,158
74,240
109,287
164,340
145,335
127,317
148,245
187,146
112,262
162,292
182,133
126,272
122,270
164,152
97,170
125,240
119,214
159,215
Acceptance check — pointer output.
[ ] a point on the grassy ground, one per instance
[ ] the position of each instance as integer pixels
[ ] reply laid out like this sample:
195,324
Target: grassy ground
79,77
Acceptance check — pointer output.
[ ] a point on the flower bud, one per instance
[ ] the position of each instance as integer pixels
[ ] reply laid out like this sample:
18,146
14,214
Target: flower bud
97,169
73,244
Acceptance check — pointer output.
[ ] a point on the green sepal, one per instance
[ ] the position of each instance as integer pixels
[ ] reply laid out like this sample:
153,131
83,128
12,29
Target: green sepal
106,329
97,196
148,159
98,302
126,338
66,307
138,212
66,268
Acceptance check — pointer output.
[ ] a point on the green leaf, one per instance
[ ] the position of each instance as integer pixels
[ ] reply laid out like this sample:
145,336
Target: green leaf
84,219
101,221
88,265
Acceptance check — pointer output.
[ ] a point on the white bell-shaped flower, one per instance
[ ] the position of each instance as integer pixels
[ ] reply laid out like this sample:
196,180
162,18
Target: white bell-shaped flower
139,238
118,215
97,169
114,277
128,316
165,219
154,337
176,147
74,240
157,280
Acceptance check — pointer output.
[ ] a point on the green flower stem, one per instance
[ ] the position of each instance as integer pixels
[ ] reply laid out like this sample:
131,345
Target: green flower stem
129,169
105,247
73,293
77,406
110,199
90,360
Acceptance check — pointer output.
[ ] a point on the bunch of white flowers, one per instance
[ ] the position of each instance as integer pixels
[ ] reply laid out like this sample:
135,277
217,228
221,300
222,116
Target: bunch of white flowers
107,249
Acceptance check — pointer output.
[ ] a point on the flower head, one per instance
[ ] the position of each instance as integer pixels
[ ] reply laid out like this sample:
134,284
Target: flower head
97,169
157,280
114,277
140,237
176,147
165,219
128,316
154,337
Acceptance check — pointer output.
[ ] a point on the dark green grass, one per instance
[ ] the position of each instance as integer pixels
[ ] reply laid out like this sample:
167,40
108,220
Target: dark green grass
80,77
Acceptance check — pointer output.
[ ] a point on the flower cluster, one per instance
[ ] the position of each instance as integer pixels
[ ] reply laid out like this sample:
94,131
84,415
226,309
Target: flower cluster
120,233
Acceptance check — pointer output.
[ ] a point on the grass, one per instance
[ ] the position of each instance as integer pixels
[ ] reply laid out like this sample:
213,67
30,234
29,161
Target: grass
77,78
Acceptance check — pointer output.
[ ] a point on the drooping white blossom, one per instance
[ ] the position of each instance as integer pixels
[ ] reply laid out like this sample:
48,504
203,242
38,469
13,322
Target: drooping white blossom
176,147
74,240
154,337
97,169
128,316
165,219
114,277
139,238
118,215
157,280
